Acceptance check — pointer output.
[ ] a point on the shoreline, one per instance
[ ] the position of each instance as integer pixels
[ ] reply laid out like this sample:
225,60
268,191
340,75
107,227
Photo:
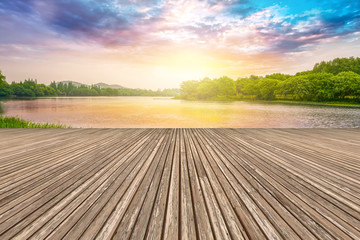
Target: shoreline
309,103
333,104
16,122
329,104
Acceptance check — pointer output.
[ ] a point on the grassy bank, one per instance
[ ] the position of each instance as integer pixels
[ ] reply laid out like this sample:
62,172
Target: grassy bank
336,104
216,99
13,122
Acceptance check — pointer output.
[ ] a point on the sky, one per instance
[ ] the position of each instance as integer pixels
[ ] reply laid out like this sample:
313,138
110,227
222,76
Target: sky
160,43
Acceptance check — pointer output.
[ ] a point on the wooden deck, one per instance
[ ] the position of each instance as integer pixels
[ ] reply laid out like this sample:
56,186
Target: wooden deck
180,183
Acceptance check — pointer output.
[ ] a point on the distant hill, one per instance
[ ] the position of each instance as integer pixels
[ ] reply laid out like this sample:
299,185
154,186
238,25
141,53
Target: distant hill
76,84
104,85
101,85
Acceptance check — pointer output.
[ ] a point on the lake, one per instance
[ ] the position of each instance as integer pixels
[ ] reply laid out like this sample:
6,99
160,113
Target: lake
155,112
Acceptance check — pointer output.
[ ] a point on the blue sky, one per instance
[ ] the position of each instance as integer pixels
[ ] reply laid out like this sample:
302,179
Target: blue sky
152,43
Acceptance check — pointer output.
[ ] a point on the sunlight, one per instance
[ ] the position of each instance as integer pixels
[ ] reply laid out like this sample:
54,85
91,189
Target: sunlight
193,64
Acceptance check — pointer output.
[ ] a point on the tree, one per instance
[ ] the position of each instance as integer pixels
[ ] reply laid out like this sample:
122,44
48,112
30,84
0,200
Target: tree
267,88
278,76
5,89
300,87
323,86
338,65
248,86
206,89
2,78
304,73
225,87
188,89
346,84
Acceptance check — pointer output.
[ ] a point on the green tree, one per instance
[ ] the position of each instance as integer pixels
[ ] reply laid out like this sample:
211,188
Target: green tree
346,84
206,89
2,79
278,76
300,87
248,86
267,88
225,87
188,89
304,73
5,89
338,65
323,86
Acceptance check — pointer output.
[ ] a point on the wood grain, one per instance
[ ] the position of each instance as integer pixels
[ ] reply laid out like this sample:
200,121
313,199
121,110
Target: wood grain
179,183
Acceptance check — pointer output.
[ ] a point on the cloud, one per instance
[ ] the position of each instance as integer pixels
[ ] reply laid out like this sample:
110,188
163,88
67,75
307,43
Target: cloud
95,20
19,6
239,25
105,22
296,33
342,24
112,22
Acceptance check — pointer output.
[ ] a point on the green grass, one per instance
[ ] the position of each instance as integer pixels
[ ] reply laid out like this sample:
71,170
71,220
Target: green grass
14,122
284,101
326,103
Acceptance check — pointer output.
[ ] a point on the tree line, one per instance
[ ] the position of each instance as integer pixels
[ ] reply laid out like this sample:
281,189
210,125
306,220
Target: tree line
30,88
336,80
69,89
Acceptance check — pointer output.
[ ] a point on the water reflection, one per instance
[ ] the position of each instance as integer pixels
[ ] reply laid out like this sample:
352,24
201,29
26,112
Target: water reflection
165,112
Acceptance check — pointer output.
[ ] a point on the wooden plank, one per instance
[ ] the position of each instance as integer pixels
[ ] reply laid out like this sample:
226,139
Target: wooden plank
140,229
187,222
118,178
154,230
63,198
203,225
126,226
237,178
180,183
313,217
220,229
172,218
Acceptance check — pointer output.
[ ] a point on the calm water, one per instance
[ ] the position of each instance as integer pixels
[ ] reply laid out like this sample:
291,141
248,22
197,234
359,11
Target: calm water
143,112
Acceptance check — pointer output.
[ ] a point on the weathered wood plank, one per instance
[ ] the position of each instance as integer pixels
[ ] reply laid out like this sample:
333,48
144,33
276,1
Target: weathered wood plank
180,183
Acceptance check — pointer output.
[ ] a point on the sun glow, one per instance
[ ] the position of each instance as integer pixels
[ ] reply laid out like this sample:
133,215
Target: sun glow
158,44
193,65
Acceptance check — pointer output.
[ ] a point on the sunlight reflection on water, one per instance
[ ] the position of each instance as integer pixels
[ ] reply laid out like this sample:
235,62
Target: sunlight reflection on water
141,112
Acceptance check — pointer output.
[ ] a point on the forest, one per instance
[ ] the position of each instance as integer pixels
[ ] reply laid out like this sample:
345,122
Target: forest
30,88
70,89
336,80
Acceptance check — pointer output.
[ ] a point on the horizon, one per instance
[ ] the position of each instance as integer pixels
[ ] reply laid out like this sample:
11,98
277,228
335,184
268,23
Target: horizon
159,44
178,87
